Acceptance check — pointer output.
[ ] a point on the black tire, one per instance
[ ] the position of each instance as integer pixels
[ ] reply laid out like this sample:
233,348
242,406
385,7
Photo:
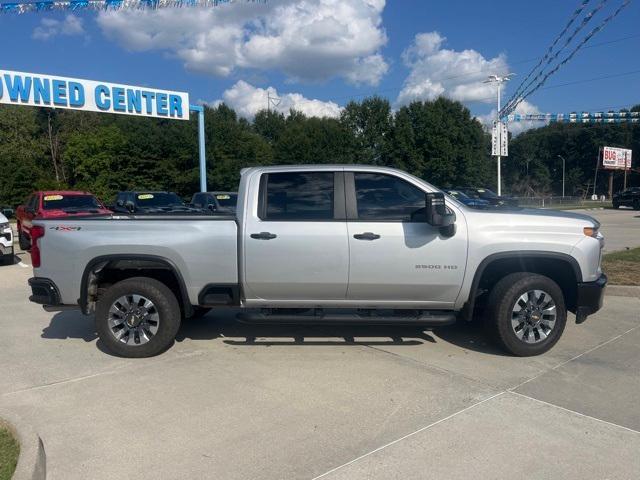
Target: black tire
501,303
167,308
8,259
23,242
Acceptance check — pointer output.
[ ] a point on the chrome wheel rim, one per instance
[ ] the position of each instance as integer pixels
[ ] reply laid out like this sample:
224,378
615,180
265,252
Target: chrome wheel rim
133,320
533,316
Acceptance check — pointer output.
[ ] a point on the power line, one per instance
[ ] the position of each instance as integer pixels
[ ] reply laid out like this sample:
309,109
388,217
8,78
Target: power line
593,32
551,58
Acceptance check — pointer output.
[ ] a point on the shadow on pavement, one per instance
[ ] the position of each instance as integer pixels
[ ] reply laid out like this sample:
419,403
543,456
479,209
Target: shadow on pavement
223,326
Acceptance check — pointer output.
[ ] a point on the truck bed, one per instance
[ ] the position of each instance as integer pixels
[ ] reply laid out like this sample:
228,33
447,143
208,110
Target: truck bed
203,248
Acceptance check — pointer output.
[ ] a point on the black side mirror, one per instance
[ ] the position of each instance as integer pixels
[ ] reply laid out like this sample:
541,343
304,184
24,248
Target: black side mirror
129,205
437,215
30,210
120,203
211,207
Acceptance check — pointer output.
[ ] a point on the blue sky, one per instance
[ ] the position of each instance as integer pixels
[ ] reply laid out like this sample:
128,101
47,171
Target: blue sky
341,53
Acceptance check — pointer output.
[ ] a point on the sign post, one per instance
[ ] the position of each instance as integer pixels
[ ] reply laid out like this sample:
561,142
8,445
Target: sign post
31,89
499,146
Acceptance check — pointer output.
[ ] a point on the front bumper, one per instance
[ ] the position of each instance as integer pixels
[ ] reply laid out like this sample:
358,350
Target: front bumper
590,296
44,291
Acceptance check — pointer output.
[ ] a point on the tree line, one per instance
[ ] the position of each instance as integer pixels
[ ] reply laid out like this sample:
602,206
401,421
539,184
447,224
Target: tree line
438,140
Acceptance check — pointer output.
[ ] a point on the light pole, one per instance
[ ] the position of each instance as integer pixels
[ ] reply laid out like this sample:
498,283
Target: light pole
499,80
561,157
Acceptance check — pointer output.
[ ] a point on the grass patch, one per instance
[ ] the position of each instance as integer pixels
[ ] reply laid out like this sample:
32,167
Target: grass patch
9,451
622,268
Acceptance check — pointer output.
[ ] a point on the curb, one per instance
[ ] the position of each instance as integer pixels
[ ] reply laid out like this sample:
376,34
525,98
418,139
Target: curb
33,459
623,291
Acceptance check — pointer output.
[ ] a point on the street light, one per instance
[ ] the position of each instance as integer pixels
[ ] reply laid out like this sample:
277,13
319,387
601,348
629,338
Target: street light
498,79
561,157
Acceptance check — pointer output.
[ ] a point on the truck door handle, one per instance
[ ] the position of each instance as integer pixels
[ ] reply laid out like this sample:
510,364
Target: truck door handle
264,236
366,236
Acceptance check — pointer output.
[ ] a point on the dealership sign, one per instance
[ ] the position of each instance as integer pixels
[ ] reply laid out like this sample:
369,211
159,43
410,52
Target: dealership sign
616,158
18,88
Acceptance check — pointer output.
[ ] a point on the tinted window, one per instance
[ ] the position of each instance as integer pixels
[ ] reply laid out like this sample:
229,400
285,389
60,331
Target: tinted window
158,200
198,200
386,198
70,202
299,196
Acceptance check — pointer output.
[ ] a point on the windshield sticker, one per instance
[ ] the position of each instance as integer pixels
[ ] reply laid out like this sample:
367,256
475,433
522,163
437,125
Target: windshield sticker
223,197
50,198
481,190
145,196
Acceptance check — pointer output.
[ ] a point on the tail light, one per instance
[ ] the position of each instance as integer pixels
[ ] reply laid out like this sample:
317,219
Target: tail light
36,233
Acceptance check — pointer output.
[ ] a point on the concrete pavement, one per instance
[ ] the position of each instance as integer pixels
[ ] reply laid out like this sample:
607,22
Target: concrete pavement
234,401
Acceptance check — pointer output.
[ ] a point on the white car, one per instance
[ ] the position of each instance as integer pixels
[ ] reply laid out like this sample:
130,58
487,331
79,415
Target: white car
6,241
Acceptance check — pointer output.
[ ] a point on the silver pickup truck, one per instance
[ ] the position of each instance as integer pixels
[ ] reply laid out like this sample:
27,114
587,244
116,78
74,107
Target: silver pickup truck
324,244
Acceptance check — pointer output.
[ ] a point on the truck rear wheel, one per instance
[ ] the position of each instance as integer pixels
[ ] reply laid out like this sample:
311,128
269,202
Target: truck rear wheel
526,314
138,317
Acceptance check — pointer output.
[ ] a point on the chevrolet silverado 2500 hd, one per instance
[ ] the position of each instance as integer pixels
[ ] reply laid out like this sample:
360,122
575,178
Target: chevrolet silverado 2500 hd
325,244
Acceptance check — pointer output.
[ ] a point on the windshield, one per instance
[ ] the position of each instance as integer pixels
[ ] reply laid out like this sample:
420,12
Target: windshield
227,200
70,202
158,200
457,194
486,193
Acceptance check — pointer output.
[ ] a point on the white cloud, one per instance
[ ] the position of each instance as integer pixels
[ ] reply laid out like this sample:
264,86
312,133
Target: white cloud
515,128
50,27
247,100
309,40
436,71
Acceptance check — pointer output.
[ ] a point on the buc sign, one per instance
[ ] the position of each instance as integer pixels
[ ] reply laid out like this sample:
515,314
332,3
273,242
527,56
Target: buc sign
616,158
19,88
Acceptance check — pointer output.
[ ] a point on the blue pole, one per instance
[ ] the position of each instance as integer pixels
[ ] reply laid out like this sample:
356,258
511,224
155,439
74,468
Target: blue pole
201,146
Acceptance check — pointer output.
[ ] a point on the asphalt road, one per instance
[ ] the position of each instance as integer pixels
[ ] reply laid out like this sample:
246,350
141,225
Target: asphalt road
231,401
621,228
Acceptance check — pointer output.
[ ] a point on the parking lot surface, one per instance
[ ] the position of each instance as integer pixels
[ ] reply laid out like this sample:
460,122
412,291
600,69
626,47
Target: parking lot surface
235,401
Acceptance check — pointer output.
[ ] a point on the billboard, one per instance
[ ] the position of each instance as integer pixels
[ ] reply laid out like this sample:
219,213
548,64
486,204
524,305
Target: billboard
19,88
616,158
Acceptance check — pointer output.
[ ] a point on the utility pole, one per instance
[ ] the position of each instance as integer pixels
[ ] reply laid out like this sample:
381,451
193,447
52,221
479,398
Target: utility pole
272,100
561,157
499,80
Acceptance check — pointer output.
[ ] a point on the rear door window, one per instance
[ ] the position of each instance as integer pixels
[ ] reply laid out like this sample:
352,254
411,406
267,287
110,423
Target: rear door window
297,196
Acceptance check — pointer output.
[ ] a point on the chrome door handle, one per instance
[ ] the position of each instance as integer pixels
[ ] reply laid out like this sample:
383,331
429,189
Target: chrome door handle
366,236
263,236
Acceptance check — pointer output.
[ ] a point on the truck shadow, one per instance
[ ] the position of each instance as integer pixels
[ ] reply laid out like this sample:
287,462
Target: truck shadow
223,326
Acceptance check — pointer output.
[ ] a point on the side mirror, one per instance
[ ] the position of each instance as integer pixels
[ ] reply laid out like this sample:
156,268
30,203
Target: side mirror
120,203
129,205
211,207
437,215
30,210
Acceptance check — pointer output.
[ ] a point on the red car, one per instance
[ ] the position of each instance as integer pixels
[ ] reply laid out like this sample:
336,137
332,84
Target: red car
54,204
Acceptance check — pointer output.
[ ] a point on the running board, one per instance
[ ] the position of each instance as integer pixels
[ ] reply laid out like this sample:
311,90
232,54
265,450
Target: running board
320,317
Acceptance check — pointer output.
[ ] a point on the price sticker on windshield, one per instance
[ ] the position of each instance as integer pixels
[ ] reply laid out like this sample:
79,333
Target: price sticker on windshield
49,198
145,196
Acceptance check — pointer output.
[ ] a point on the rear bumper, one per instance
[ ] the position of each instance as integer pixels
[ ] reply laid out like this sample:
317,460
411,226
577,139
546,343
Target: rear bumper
44,291
590,297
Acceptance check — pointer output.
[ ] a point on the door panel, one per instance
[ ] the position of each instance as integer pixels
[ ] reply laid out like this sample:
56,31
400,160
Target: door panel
395,257
296,247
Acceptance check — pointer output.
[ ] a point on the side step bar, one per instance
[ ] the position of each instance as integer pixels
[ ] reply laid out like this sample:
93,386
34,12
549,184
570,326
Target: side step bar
369,317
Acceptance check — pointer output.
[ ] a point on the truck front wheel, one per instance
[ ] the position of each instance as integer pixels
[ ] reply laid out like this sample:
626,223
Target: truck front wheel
527,313
138,317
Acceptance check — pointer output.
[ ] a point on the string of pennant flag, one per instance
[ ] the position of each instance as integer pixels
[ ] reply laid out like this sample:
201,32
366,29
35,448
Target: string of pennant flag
576,117
77,5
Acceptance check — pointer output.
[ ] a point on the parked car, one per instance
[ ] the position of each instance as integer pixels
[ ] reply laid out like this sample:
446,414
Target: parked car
7,211
6,241
467,200
54,204
628,198
326,243
489,196
146,202
223,202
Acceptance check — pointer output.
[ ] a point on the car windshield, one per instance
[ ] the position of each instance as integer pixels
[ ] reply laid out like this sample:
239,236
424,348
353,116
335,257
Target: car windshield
486,193
227,200
158,200
70,202
457,194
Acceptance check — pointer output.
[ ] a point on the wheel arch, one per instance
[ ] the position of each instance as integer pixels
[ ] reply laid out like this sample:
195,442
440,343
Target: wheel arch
560,267
105,268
